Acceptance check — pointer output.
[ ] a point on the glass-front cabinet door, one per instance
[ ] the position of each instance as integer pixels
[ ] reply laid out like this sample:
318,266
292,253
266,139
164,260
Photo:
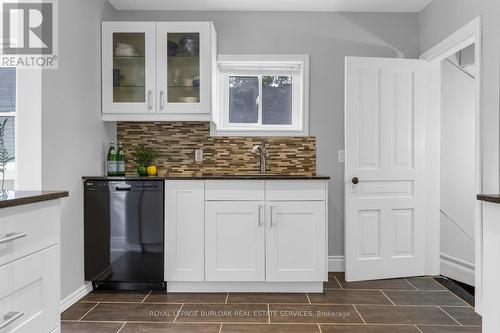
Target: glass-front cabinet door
128,67
185,60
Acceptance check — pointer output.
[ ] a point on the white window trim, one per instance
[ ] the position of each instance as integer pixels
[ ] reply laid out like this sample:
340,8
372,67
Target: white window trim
300,124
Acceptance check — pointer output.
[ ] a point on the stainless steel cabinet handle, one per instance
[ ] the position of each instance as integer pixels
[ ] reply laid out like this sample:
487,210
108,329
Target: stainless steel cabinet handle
260,215
12,236
162,99
272,218
150,106
11,317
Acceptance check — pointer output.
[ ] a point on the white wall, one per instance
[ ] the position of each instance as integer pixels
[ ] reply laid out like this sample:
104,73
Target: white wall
458,195
72,130
439,20
328,38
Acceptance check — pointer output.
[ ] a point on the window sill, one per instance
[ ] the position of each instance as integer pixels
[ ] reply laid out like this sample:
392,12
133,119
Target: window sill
214,131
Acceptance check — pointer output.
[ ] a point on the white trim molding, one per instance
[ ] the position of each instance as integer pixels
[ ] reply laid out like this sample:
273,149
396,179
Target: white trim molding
258,65
336,264
470,34
457,269
75,296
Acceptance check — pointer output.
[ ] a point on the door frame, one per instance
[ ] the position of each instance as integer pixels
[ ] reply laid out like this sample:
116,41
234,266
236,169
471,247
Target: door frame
467,35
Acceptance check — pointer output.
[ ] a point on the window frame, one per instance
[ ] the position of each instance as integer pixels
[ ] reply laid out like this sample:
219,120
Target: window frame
294,65
11,170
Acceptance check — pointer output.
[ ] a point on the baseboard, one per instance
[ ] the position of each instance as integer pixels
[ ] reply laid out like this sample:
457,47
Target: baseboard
336,264
457,269
75,296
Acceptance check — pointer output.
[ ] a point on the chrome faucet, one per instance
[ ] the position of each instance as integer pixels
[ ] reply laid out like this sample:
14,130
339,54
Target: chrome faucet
261,150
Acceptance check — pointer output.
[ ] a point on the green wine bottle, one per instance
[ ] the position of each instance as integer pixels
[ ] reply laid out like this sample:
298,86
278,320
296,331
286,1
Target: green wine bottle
121,160
112,160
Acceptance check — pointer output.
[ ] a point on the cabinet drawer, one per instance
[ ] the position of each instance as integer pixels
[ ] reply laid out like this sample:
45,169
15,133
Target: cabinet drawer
234,190
296,190
27,229
29,293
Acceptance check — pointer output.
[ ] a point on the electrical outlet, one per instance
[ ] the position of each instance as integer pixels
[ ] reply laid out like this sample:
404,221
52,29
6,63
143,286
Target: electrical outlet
198,155
341,156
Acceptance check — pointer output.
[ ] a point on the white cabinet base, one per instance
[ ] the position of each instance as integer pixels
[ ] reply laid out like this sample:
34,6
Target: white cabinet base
214,287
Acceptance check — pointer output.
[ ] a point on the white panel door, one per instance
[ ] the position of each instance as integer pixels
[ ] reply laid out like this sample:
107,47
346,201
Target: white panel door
234,241
385,168
295,241
185,230
128,67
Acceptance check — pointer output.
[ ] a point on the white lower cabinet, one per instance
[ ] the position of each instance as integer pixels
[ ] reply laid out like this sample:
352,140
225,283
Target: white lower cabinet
246,232
295,241
185,230
30,268
234,241
29,293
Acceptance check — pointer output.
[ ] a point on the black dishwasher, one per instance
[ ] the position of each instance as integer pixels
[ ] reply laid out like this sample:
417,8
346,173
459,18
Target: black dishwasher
123,233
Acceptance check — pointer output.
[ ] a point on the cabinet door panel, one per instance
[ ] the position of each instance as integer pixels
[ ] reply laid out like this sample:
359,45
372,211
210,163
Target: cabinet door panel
234,241
184,246
29,292
184,53
128,67
295,241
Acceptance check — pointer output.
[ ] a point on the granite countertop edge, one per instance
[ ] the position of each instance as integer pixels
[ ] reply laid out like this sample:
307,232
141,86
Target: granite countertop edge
213,177
493,198
18,198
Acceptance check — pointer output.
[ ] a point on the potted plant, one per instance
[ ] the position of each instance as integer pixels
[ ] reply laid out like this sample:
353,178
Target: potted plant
144,158
4,153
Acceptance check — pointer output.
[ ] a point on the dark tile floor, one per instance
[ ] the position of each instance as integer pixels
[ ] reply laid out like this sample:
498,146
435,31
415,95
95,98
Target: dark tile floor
412,305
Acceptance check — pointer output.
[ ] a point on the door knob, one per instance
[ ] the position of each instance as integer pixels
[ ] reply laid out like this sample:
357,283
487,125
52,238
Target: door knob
355,180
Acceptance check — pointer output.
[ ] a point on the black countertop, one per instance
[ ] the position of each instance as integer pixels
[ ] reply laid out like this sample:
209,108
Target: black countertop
214,177
17,198
494,198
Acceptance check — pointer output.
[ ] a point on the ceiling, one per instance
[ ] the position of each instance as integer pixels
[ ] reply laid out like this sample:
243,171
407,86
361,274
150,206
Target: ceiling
276,5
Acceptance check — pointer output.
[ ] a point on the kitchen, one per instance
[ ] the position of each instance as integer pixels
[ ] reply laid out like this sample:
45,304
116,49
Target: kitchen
230,171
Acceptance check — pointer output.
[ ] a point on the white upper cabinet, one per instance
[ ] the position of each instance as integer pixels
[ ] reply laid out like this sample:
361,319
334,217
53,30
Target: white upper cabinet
128,67
185,53
153,71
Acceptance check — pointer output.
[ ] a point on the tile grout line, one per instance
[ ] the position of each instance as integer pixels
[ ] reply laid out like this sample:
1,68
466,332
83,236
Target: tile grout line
86,313
411,284
390,300
418,329
227,296
220,328
341,287
308,299
359,314
440,308
146,296
319,328
268,314
121,327
178,312
448,290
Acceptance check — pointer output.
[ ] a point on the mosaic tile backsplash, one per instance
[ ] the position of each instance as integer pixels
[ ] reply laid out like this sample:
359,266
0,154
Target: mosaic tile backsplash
175,143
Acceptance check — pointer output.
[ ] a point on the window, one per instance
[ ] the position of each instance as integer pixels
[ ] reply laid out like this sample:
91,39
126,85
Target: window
7,114
262,95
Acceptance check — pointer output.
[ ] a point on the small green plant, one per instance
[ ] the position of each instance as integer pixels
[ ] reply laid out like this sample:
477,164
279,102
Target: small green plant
144,157
4,153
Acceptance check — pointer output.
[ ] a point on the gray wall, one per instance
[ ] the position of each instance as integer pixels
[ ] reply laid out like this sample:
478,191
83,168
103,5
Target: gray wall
439,20
328,38
72,130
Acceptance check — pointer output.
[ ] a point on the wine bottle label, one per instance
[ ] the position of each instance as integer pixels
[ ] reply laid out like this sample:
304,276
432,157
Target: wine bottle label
112,166
121,167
